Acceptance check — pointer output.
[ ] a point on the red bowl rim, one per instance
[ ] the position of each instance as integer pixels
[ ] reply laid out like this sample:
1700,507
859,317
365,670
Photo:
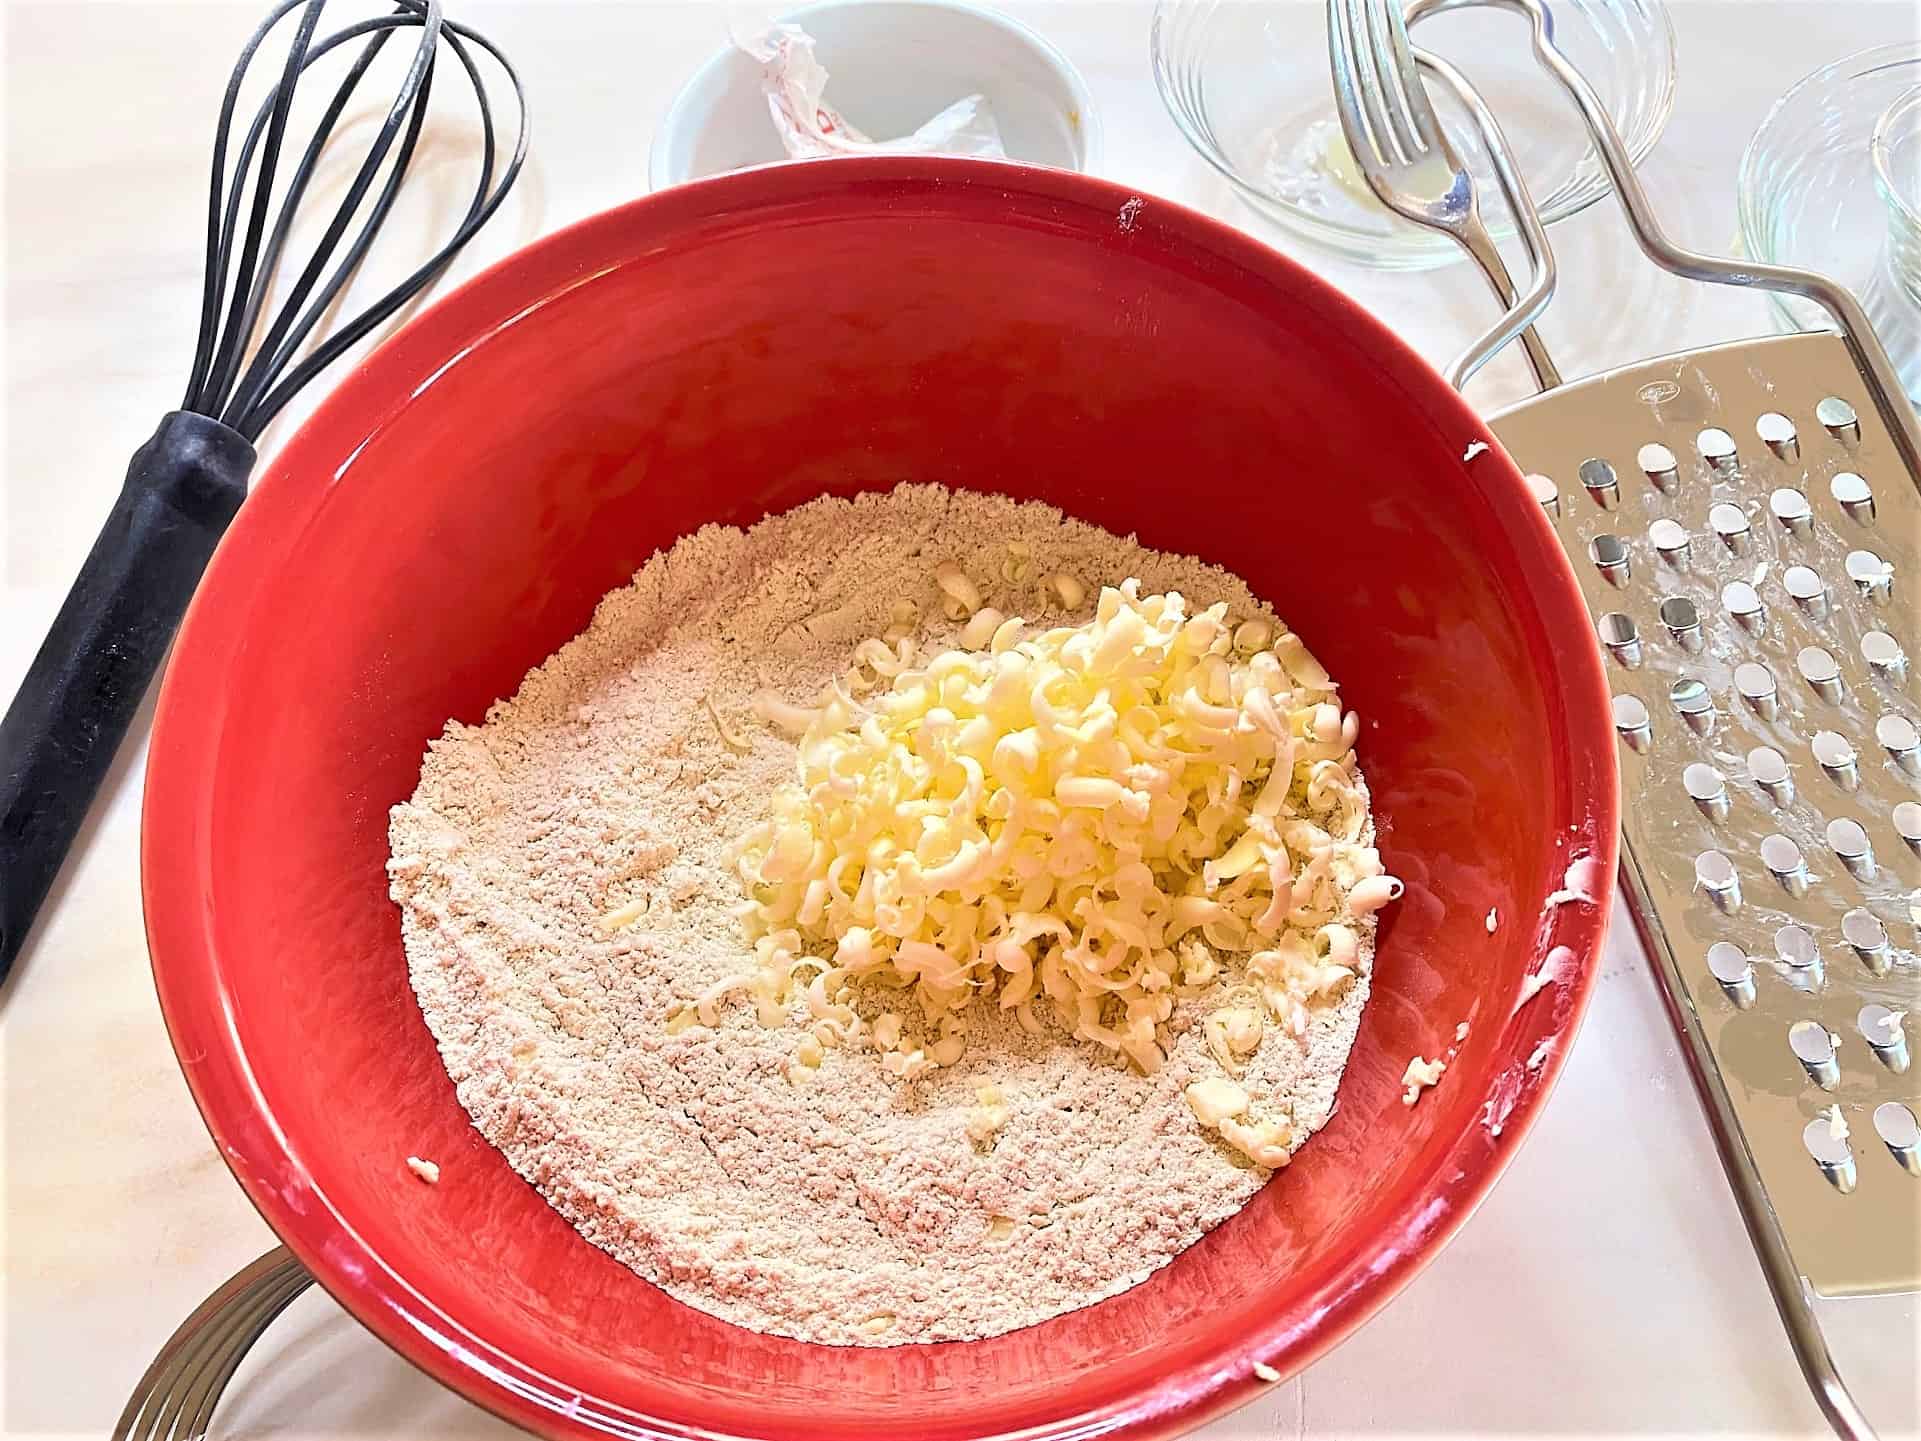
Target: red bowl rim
176,875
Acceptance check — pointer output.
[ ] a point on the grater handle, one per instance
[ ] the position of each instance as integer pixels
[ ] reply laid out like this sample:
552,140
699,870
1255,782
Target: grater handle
1870,358
1523,310
1488,256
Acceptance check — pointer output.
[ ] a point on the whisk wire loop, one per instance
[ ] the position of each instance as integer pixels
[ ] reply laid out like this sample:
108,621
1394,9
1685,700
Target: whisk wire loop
244,382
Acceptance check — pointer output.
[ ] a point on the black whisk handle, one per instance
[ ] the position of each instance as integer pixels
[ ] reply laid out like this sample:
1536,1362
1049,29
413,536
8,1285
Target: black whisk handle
84,687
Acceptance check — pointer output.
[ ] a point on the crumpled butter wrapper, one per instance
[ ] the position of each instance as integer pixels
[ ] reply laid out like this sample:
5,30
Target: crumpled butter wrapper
795,83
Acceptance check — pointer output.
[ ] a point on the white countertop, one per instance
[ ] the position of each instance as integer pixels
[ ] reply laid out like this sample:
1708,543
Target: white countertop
1605,1287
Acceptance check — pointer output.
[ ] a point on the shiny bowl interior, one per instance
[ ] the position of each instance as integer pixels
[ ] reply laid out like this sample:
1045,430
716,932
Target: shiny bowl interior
1809,194
1247,83
455,509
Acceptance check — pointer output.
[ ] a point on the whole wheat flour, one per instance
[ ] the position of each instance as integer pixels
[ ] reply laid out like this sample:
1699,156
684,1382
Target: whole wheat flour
564,881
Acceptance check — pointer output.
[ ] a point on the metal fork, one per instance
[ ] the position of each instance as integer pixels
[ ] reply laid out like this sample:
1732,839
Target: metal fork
175,1398
1398,142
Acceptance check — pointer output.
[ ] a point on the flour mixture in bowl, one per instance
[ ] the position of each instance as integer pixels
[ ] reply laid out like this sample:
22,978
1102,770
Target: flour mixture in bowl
906,920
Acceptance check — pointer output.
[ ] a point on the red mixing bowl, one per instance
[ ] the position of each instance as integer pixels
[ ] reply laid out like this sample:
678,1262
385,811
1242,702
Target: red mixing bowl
452,513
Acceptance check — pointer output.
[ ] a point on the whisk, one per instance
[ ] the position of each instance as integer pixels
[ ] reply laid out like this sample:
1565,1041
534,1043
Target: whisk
185,484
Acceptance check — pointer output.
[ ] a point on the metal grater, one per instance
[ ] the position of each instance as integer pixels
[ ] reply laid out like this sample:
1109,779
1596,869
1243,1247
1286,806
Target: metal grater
1745,524
1749,543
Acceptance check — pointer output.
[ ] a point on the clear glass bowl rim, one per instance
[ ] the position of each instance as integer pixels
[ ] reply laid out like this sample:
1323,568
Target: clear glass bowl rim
1753,211
1417,249
1881,152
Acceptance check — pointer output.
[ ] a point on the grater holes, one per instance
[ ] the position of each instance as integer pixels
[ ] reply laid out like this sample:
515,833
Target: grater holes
1602,484
1873,577
1907,824
1790,507
1743,603
1868,939
1755,683
1821,671
1895,1124
1848,839
1853,494
1610,556
1715,874
1544,491
1658,464
1707,790
1881,1029
1670,541
1827,1142
1837,759
1837,417
1807,590
1683,621
1632,722
1621,636
1770,771
1900,738
1730,522
1884,656
1813,1047
1716,447
1786,864
1729,965
1778,434
1695,704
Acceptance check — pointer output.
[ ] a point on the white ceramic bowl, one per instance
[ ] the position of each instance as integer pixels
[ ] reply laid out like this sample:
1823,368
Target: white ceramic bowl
893,64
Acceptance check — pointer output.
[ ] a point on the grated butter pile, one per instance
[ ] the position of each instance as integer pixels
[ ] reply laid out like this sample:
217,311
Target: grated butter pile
567,877
1091,816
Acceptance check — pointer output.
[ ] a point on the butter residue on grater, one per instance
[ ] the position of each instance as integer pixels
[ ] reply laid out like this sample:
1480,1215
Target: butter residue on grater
1748,540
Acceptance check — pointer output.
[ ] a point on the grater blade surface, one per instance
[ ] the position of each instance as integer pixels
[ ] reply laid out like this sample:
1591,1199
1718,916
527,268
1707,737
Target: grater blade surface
1748,541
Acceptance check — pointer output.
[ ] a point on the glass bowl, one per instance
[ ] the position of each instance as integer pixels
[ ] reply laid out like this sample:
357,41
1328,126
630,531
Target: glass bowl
1247,83
1895,152
1810,194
